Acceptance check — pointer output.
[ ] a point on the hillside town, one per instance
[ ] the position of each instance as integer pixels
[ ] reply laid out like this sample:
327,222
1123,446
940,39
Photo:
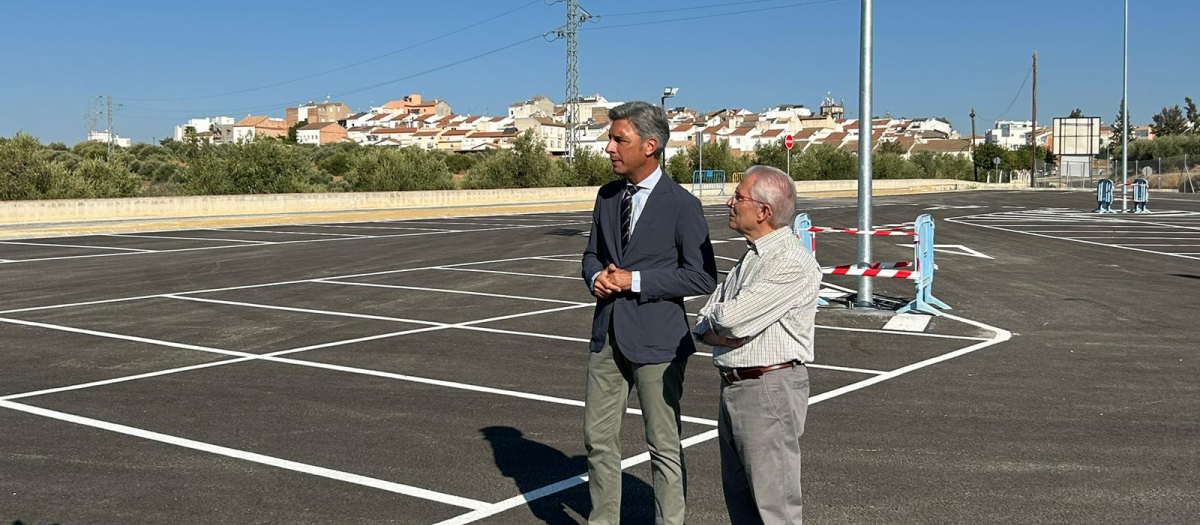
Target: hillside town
431,124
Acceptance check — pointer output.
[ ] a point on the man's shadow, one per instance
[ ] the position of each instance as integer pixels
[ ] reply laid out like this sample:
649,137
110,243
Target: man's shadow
534,465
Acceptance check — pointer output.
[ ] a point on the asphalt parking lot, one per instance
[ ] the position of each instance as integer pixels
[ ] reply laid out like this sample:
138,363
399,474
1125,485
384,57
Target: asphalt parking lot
431,371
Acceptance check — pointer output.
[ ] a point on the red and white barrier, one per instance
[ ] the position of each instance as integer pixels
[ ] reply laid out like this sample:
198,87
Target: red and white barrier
855,231
922,265
872,272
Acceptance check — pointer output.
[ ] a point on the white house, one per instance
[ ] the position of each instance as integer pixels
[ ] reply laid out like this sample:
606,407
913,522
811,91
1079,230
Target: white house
201,125
742,139
1010,134
552,134
104,136
931,127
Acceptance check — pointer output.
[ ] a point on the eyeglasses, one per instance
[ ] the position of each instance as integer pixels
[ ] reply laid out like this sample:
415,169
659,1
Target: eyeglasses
738,198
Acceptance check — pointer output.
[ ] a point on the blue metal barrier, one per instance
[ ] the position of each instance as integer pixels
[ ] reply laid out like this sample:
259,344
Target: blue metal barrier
800,227
1104,196
1141,195
708,180
925,301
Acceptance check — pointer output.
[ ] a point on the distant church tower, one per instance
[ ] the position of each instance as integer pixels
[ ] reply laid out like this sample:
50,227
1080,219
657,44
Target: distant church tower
837,110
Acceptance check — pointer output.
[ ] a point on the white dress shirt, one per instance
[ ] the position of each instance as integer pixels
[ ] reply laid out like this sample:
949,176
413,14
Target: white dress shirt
645,188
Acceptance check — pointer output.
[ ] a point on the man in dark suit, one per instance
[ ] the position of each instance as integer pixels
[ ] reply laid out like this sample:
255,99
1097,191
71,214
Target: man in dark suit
648,250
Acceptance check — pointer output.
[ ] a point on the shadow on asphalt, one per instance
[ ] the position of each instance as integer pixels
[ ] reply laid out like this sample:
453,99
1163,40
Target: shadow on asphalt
534,465
567,232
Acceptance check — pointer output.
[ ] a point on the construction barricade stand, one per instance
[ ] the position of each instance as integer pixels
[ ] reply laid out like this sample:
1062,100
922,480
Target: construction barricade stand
920,270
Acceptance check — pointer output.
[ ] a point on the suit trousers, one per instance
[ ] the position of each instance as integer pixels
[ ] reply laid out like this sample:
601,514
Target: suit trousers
610,377
759,425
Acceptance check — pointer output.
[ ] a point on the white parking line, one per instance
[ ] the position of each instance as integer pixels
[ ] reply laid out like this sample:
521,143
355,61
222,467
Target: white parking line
181,238
1069,239
373,227
260,285
509,273
303,310
77,246
443,290
436,232
523,499
356,479
292,233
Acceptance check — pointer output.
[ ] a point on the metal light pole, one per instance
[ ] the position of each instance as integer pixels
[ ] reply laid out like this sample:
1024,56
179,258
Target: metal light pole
974,164
667,93
866,296
1125,117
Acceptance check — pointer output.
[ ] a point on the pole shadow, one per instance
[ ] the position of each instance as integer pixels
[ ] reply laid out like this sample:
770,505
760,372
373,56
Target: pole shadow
533,465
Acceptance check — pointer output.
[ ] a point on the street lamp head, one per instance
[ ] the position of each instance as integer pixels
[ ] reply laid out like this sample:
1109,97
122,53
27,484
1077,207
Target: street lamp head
670,92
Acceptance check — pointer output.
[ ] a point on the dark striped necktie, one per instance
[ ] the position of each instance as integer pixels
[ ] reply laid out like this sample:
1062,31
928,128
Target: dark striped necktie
627,214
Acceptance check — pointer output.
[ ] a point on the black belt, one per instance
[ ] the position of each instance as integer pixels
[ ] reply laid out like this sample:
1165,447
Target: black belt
737,374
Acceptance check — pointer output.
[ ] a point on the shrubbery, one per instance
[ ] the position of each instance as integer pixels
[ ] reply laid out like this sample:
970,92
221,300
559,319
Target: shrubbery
31,170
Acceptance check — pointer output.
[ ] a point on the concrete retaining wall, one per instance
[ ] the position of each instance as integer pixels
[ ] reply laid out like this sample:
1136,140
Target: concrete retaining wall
76,210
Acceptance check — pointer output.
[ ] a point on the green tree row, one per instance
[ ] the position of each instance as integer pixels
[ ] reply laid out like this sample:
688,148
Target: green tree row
819,162
32,170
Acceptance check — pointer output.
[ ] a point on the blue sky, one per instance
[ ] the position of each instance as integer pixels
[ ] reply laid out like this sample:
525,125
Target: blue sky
933,57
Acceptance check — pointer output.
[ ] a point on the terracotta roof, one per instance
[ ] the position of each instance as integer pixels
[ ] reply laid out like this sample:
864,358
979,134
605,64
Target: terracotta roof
491,135
741,132
682,127
394,131
772,133
318,125
428,133
833,138
806,134
250,121
456,132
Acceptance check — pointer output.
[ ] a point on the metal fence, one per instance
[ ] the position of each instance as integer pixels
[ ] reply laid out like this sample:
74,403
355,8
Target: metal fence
1180,173
712,181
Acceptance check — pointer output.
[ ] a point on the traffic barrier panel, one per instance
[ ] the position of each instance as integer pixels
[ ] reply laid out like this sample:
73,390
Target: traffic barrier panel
708,181
1104,196
1141,195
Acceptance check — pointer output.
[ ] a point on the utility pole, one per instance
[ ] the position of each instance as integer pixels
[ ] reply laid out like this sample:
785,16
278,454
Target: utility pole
973,163
866,131
110,129
574,18
89,121
1033,132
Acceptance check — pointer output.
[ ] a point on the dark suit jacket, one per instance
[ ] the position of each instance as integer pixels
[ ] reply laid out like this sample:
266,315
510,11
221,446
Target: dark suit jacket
671,249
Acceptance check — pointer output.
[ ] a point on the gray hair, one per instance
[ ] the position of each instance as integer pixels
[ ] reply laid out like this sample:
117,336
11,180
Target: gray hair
774,187
648,120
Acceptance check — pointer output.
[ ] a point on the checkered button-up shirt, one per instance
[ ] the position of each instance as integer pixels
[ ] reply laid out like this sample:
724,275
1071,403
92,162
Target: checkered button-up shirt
770,298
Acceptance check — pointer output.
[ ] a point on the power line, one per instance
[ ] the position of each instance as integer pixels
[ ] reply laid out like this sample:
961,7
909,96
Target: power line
342,68
1014,100
693,8
702,17
363,88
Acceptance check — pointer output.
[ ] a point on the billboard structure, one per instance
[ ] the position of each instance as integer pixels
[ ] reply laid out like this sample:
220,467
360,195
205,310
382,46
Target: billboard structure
1076,143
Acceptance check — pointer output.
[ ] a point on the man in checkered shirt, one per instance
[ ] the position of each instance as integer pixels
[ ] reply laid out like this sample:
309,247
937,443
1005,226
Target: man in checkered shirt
760,324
